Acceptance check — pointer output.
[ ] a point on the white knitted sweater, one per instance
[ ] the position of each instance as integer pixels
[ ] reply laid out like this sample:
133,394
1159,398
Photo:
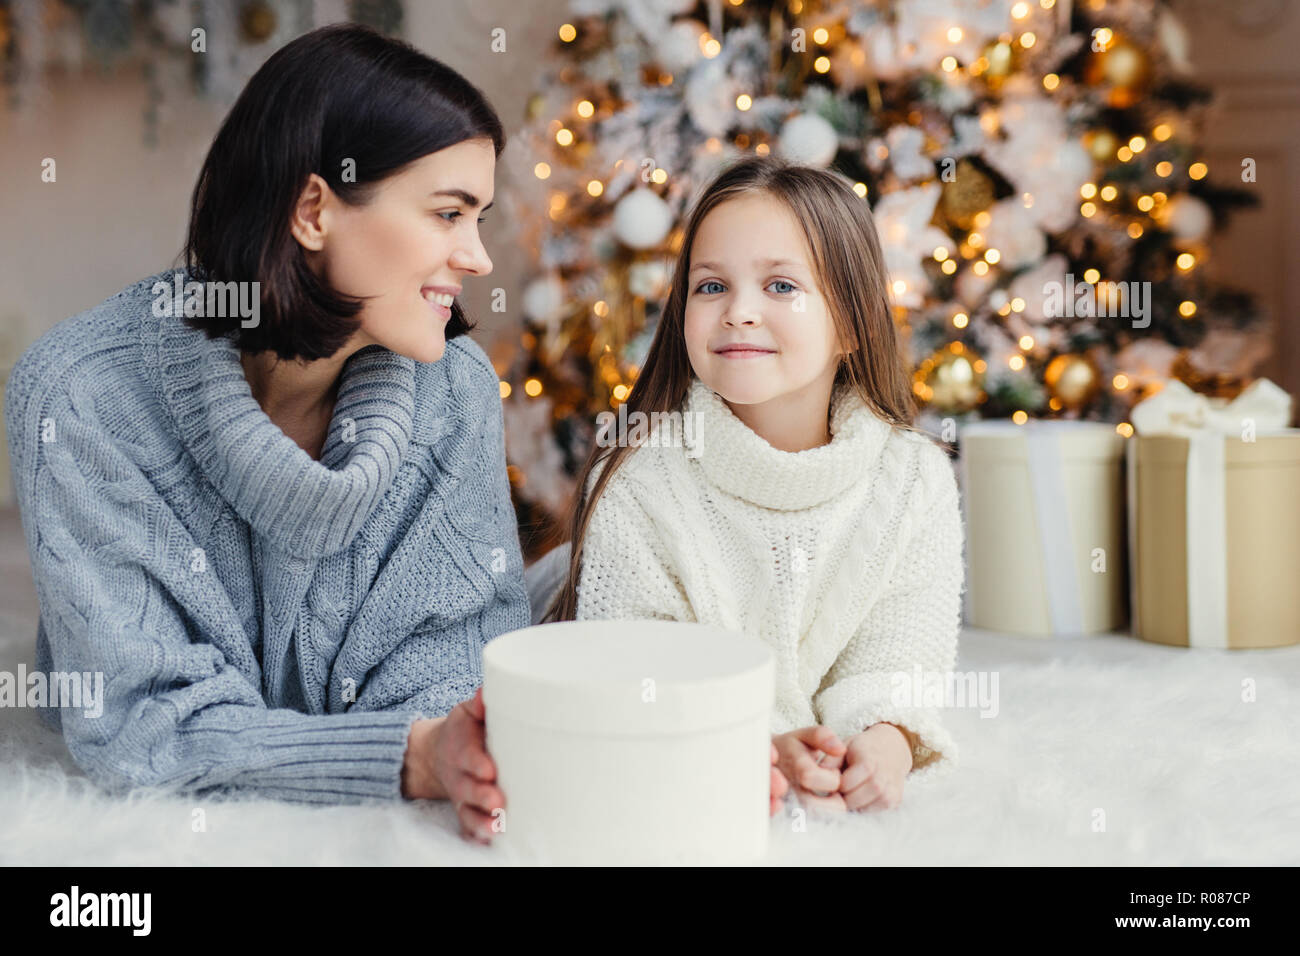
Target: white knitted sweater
846,559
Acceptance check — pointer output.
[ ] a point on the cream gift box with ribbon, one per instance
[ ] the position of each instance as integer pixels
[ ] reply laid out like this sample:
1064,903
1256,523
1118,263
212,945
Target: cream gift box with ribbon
1044,526
630,742
1214,518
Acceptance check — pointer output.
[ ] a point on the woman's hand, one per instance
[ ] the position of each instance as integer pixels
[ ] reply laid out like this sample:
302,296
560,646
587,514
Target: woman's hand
780,786
877,761
810,759
447,758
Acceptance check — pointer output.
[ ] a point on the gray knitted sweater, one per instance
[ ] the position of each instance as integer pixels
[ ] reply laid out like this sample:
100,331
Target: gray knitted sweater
261,621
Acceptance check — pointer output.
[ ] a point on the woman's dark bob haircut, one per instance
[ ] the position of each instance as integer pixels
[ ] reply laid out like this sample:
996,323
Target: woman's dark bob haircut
342,92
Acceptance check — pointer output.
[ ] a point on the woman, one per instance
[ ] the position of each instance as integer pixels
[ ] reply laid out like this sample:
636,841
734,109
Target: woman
265,496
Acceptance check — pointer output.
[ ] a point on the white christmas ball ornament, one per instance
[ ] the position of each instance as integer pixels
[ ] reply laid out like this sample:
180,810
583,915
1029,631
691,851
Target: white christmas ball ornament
679,48
642,219
807,138
1188,218
544,298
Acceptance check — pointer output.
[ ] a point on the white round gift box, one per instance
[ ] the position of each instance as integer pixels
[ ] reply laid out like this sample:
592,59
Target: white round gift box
630,742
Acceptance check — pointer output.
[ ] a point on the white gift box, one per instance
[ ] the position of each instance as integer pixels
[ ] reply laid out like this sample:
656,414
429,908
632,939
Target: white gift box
630,742
1045,519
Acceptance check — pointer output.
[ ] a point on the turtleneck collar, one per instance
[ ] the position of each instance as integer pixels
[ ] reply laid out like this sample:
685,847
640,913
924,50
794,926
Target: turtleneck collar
741,463
304,507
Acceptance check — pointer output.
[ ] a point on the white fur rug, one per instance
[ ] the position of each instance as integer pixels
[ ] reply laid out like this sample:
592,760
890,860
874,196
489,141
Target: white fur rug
1156,738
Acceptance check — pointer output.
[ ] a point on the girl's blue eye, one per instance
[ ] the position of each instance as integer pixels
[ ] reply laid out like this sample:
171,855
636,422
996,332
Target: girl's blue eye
710,282
789,286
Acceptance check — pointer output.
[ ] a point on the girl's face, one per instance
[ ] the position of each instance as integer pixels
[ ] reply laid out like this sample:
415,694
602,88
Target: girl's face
411,247
757,327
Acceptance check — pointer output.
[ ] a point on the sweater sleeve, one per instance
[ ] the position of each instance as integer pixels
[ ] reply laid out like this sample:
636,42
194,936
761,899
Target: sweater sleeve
173,713
914,623
626,570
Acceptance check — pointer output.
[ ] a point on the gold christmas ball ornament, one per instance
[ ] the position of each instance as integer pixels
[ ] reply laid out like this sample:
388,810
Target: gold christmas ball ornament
1122,66
256,21
1000,60
1101,144
969,193
1073,380
951,380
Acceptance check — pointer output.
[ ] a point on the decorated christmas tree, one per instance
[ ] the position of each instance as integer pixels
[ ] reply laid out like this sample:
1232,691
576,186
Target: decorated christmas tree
1032,169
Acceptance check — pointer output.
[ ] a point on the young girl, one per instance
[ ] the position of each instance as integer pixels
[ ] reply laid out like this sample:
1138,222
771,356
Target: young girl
795,501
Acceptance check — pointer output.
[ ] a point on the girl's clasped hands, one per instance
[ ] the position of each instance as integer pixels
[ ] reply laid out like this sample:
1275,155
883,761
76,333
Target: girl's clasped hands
826,774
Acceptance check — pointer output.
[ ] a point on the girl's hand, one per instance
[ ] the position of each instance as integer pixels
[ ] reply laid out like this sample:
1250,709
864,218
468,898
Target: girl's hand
877,761
816,784
465,772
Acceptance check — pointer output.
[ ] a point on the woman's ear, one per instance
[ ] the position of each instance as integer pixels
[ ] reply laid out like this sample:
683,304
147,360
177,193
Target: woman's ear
307,222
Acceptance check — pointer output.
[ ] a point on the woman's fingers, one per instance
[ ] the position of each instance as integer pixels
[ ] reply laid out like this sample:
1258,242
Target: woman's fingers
474,824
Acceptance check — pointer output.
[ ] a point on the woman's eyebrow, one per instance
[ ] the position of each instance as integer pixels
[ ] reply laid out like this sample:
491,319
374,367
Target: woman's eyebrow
468,198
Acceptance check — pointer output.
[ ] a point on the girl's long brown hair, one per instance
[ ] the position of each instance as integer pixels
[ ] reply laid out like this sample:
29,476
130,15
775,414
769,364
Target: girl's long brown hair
846,253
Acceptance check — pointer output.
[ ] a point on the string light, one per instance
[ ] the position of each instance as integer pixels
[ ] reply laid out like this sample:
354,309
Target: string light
505,389
1109,192
1120,382
1197,170
659,176
822,64
948,267
1091,275
744,102
564,136
586,109
954,34
1135,230
1124,429
542,171
1164,168
1020,10
860,189
940,253
1088,190
595,187
960,319
1137,144
1187,308
1016,362
1162,131
1124,154
1027,40
980,267
1087,210
1186,260
1026,342
1017,304
821,35
949,63
532,387
1145,203
620,391
992,255
1051,81
600,308
1019,416
568,32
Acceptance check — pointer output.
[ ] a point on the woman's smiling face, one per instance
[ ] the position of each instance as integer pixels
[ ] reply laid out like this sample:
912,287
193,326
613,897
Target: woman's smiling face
409,249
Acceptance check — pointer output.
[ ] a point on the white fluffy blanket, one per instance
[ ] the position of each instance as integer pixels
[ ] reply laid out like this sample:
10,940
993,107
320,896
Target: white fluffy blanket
1158,739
